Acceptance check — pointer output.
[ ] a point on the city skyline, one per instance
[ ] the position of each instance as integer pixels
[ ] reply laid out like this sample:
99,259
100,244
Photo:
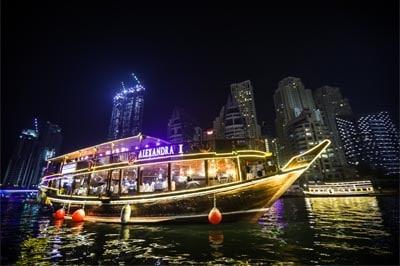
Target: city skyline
80,101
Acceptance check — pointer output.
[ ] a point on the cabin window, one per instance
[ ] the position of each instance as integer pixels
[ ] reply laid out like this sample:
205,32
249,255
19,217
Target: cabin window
187,175
98,183
66,185
114,184
253,168
55,183
129,181
80,185
222,171
103,160
154,178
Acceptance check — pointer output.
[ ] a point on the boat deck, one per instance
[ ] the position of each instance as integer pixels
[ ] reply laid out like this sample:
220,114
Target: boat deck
117,220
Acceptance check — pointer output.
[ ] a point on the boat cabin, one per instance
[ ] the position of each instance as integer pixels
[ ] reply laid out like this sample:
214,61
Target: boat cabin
144,164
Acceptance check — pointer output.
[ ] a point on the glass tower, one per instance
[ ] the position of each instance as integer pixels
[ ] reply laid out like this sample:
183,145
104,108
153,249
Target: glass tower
380,142
127,113
243,94
28,160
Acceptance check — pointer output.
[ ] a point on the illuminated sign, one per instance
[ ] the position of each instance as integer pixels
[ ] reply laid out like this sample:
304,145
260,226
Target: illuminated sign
160,151
68,168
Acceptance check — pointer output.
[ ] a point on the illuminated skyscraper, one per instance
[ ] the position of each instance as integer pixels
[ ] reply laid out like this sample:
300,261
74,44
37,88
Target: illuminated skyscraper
290,99
242,92
349,139
28,160
300,126
127,113
333,107
231,123
380,142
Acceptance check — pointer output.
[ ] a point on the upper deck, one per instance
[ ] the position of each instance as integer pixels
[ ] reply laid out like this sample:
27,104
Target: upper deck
136,150
144,164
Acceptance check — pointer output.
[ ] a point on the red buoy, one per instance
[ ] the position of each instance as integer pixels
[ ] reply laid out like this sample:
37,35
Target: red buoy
215,216
78,215
59,214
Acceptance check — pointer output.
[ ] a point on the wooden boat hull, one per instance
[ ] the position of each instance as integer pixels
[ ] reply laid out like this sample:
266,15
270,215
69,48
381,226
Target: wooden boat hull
236,200
240,200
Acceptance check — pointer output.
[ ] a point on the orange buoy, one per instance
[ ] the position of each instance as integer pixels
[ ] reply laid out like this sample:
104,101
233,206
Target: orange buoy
59,214
215,216
78,215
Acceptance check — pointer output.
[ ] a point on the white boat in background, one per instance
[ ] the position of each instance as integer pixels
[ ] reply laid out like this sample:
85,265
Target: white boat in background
329,189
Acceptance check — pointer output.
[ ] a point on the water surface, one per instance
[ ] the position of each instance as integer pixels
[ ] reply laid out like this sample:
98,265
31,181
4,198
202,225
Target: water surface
353,230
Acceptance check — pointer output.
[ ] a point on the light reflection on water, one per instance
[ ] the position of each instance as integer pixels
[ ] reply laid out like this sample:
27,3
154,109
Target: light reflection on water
356,230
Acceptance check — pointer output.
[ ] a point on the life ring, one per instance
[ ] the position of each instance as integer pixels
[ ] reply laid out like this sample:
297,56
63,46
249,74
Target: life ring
131,158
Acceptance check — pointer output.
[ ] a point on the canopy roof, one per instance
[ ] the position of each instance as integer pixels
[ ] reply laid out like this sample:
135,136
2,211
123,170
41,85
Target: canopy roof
119,145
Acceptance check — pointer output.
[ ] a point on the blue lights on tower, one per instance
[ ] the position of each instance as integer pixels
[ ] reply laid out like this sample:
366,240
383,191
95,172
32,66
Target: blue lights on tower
127,113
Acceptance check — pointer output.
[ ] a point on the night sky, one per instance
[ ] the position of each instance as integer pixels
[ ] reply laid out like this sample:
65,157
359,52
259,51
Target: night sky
64,63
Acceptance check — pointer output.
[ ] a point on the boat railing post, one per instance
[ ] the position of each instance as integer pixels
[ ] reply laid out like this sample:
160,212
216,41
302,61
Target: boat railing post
69,206
169,177
120,182
206,171
238,168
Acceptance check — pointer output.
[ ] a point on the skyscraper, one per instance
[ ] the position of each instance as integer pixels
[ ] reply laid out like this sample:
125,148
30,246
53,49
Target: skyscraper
28,160
182,127
127,113
380,142
242,92
22,166
290,99
332,105
349,139
231,123
300,126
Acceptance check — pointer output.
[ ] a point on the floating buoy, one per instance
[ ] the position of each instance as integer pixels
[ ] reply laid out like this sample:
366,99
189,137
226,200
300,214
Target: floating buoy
214,216
125,214
59,214
78,215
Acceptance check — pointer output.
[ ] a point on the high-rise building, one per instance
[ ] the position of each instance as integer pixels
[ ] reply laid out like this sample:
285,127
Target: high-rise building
300,126
22,166
242,92
290,99
349,139
231,123
28,160
182,127
235,124
380,142
127,113
332,105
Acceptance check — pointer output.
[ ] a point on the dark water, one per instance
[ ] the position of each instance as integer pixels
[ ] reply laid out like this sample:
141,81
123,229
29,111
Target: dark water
354,230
